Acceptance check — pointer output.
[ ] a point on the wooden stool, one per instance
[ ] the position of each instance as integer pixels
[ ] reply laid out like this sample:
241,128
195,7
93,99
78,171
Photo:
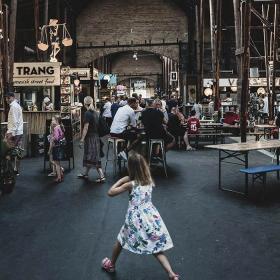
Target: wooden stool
115,142
159,142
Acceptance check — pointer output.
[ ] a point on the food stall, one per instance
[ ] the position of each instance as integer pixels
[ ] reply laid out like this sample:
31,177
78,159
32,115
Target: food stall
38,82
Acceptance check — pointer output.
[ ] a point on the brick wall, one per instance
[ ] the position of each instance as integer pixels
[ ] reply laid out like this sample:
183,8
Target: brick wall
147,63
130,20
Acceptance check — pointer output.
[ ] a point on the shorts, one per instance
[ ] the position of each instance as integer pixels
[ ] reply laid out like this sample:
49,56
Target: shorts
167,138
127,135
15,141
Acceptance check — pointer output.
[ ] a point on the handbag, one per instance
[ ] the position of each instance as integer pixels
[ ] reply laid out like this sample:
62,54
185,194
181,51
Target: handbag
103,128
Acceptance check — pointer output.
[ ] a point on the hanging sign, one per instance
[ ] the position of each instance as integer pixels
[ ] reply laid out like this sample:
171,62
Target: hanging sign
173,76
232,82
36,74
95,74
83,73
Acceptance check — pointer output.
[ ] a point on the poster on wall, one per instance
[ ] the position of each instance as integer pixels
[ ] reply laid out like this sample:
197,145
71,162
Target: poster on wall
36,74
138,86
192,93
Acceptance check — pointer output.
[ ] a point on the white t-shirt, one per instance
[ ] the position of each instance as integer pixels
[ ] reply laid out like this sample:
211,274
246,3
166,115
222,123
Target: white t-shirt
123,103
265,105
107,110
125,116
15,121
163,105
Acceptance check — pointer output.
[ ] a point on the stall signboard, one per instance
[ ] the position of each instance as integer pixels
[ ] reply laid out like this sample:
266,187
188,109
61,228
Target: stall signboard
232,82
83,73
36,74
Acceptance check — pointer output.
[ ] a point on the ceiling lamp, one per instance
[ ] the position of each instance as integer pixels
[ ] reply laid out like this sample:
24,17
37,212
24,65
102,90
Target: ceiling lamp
135,56
233,89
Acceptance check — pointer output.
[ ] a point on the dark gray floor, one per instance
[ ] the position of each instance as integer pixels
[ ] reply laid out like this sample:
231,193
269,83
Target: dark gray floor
61,232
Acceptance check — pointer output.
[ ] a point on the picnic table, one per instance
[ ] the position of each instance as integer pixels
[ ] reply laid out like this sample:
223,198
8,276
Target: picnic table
239,152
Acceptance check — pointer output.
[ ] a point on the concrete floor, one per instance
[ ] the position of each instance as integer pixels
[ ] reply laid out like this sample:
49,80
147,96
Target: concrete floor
61,232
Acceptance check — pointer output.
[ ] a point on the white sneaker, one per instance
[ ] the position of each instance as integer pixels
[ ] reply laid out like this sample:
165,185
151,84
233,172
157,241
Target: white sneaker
122,154
52,174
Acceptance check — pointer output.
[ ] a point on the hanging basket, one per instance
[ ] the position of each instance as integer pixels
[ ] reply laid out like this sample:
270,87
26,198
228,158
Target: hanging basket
67,42
42,46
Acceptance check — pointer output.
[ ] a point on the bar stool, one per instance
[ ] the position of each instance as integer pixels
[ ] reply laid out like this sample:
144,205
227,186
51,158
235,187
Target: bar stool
159,142
114,142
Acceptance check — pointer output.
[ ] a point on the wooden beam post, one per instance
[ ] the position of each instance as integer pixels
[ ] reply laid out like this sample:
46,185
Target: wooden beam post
245,68
37,25
12,39
212,32
218,40
46,12
237,23
265,13
275,49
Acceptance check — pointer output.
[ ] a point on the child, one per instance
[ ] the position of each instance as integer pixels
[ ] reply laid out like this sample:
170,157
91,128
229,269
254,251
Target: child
53,173
55,146
143,232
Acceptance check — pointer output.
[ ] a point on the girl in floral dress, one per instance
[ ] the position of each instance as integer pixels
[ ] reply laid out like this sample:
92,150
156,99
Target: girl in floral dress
144,231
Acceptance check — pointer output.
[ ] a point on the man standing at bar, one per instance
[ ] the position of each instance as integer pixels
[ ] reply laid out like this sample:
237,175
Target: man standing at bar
14,134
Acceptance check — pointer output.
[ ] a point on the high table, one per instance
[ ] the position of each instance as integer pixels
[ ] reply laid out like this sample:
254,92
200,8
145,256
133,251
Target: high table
240,152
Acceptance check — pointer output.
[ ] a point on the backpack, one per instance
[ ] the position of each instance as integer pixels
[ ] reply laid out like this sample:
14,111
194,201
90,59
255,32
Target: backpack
103,128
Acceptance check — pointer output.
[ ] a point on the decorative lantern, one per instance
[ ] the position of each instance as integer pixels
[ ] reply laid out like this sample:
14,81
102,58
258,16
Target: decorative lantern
208,92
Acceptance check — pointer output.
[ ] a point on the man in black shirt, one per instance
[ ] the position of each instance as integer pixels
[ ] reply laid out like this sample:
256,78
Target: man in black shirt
153,121
172,102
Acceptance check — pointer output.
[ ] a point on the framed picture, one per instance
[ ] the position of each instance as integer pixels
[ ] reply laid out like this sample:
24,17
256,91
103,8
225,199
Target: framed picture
65,99
65,80
65,90
65,71
65,109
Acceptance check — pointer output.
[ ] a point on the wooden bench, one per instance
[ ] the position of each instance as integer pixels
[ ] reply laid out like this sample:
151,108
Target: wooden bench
258,135
211,134
259,172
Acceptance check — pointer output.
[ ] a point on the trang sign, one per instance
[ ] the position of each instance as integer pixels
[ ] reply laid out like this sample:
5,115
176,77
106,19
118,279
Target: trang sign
36,74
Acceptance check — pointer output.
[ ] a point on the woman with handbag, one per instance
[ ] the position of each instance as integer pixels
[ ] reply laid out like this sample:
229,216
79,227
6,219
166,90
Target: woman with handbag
91,141
56,140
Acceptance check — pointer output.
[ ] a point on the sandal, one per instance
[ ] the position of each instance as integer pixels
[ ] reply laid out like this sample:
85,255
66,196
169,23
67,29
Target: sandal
57,180
100,180
108,266
82,176
175,277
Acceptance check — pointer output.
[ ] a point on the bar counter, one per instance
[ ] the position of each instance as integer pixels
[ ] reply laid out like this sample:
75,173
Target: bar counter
37,120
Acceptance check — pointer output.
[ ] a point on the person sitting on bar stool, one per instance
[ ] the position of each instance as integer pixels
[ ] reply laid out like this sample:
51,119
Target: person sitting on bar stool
193,125
124,118
153,121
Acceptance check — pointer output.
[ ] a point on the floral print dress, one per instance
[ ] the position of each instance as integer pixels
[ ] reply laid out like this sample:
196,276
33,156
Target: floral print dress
144,231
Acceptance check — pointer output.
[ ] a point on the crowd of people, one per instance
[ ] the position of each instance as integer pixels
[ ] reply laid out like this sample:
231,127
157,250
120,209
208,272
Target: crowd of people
158,117
131,119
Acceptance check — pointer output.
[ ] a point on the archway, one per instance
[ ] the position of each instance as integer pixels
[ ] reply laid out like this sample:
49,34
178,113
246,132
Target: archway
148,69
